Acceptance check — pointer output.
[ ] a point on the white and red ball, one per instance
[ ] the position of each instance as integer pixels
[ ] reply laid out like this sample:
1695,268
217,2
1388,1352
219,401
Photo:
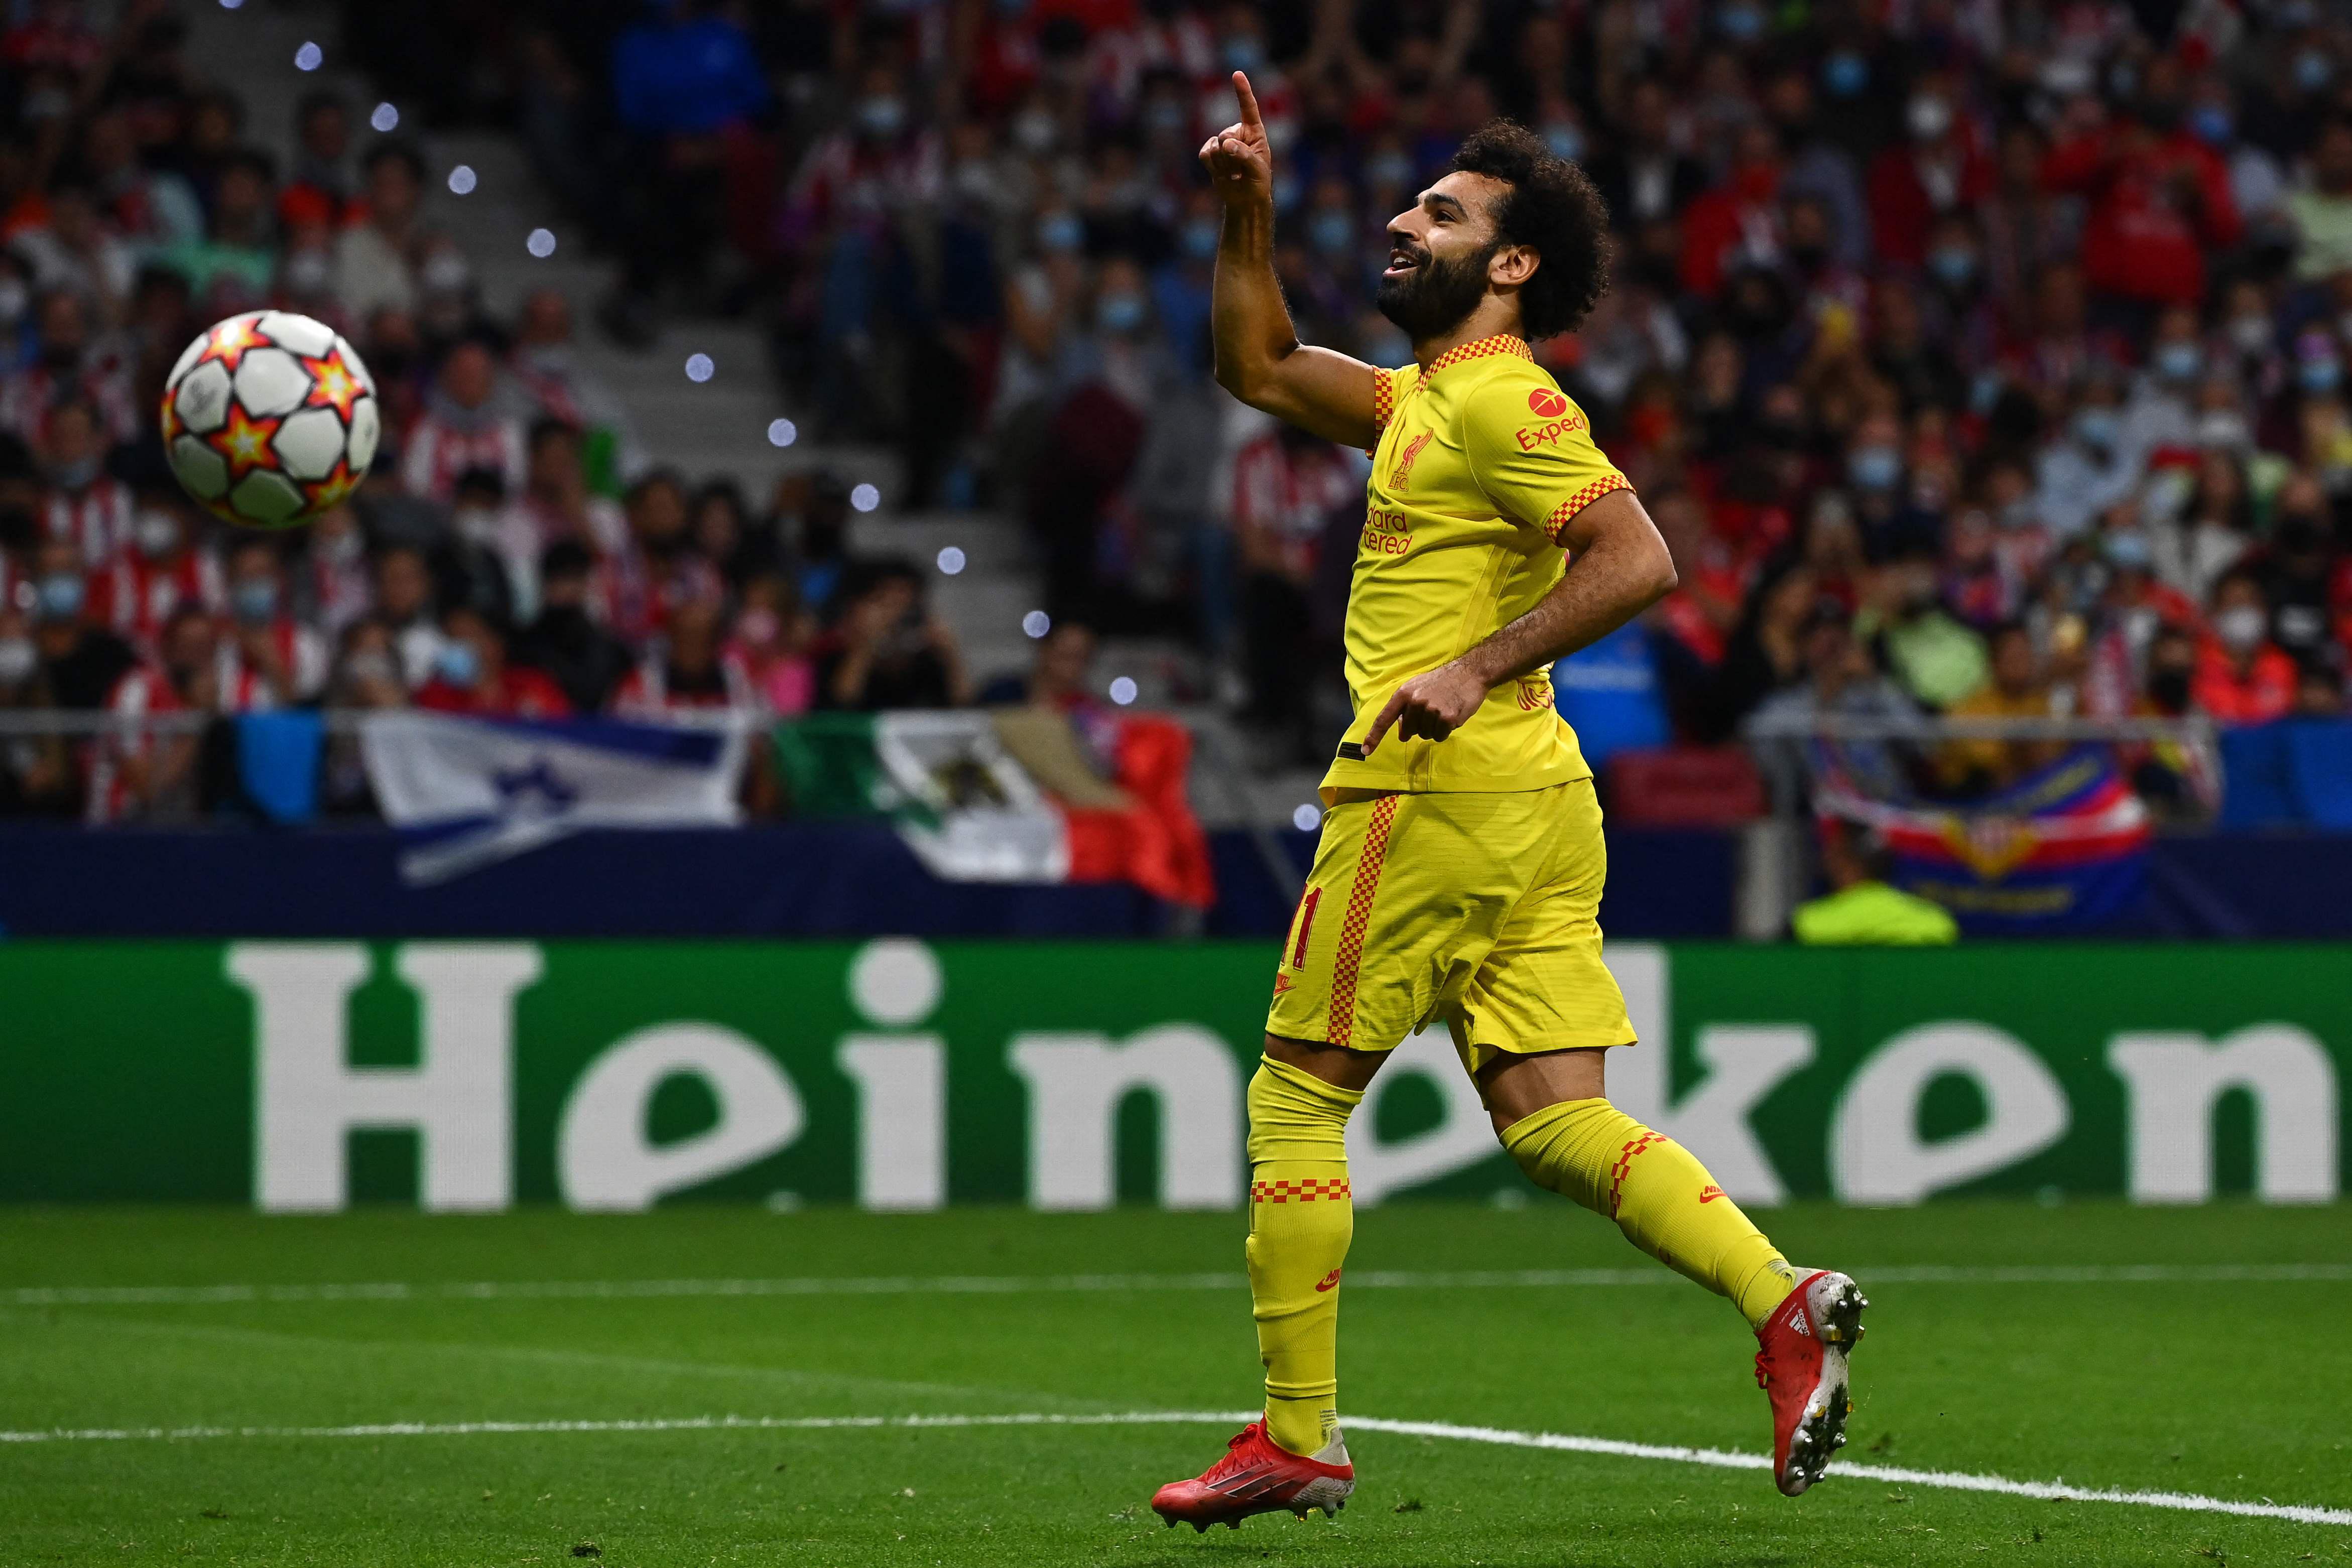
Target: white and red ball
269,418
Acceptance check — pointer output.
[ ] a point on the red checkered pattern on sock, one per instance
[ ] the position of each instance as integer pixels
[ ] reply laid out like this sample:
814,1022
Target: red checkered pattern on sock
1305,1189
1625,1157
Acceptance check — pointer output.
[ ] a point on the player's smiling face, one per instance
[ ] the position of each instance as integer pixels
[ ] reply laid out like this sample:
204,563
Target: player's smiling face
1441,252
1452,219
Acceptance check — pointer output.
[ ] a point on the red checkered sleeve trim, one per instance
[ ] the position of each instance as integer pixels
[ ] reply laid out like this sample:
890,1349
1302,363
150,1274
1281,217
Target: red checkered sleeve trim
1608,482
1383,399
1500,343
1305,1189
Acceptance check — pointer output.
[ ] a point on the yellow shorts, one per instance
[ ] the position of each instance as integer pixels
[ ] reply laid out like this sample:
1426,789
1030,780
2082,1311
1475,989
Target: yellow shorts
1482,909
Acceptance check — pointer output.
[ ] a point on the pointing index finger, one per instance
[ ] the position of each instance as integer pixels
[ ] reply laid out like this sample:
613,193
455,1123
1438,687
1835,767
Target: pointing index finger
1250,117
1380,725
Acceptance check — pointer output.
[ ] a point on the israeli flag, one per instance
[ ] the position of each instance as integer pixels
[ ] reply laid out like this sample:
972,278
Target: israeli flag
465,792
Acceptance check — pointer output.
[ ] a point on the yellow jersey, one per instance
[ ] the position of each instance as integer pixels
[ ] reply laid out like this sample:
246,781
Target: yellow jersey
1482,460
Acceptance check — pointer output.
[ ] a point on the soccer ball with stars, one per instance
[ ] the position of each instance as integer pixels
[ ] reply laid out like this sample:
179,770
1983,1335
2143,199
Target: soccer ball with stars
269,418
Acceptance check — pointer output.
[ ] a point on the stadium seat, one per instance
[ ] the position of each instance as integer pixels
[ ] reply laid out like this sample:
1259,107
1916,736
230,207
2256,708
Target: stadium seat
1685,787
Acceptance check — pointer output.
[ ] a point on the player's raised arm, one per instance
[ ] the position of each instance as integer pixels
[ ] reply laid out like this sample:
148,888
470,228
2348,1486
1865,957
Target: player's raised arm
1259,358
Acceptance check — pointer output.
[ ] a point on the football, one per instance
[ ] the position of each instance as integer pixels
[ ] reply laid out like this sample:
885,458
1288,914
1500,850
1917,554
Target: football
269,418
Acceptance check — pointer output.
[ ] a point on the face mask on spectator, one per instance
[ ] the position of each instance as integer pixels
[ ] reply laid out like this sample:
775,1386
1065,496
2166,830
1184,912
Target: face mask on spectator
17,660
2319,375
758,627
362,669
974,182
2128,550
1953,265
14,297
1060,232
1033,131
2240,627
1566,142
2312,70
309,272
881,118
1119,313
1244,53
458,664
1165,116
447,272
1740,24
1332,231
1928,117
342,548
254,600
2210,124
60,596
2178,362
1199,238
2223,428
2096,427
156,533
1388,169
2249,334
76,474
1874,467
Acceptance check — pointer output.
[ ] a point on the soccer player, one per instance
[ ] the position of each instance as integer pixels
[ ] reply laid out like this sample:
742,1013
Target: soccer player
1460,870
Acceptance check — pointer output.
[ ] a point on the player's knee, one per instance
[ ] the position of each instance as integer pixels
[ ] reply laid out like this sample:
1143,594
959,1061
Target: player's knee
1295,1115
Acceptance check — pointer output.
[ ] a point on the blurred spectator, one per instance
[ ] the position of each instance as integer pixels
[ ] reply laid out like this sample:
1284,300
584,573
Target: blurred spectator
403,602
2242,678
771,646
140,772
655,567
556,499
565,643
490,563
79,662
375,259
159,572
471,676
684,671
1860,907
238,253
546,368
1286,483
268,658
1057,678
2016,686
35,771
1840,682
319,192
889,649
86,507
462,428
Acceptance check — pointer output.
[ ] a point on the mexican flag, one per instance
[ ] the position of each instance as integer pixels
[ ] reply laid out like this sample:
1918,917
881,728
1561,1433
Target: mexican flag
1011,794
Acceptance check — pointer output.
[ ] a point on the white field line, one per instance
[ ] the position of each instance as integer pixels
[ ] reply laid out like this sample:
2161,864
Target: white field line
1719,1459
1051,1284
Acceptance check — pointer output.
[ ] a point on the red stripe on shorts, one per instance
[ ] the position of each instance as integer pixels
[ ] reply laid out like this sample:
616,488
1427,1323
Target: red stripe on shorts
1341,1024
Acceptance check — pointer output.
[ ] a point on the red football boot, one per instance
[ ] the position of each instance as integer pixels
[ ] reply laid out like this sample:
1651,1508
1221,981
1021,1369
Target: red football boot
1258,1476
1802,1365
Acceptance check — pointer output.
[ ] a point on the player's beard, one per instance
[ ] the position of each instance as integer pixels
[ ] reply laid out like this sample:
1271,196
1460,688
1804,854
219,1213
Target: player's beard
1437,295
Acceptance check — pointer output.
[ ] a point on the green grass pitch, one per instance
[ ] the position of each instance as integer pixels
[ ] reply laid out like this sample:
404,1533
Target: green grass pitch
2230,1388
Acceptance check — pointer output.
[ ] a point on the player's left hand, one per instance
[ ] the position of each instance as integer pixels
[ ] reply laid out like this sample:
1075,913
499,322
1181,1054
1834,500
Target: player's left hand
1430,706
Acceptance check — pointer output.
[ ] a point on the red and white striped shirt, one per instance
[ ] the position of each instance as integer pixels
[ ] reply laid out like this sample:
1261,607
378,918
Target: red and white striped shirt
95,519
646,691
133,596
440,450
144,690
302,653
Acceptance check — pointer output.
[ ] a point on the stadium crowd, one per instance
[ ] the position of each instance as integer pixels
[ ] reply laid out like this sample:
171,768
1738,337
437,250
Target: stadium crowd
1975,357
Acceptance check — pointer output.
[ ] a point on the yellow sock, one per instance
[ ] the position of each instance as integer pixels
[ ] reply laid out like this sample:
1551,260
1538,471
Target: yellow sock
1660,1196
1301,1220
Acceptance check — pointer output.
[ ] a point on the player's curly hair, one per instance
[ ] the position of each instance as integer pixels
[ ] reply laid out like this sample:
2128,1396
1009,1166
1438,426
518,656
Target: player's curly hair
1552,209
